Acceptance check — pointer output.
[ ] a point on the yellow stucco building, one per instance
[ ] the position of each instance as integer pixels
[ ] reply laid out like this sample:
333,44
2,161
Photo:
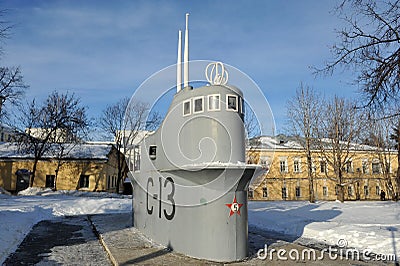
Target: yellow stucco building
91,167
286,176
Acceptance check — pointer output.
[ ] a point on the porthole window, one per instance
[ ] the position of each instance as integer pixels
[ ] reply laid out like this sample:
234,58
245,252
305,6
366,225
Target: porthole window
198,105
186,108
213,102
231,103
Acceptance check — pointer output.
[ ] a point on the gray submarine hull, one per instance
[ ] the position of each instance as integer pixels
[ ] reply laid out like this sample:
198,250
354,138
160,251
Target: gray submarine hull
206,230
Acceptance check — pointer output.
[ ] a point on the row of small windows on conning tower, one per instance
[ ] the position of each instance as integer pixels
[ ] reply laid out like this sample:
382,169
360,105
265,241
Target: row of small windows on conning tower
233,103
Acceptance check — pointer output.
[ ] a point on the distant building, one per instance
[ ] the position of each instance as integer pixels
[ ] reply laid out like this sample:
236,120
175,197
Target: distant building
59,135
89,167
287,175
8,134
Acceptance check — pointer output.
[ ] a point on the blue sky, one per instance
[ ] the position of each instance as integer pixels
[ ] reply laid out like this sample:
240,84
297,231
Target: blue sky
103,50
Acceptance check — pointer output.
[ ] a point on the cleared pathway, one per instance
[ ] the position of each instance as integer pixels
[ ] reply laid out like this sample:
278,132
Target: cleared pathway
111,240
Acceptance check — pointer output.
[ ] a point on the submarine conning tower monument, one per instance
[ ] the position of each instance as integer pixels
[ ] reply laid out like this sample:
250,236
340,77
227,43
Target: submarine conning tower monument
190,193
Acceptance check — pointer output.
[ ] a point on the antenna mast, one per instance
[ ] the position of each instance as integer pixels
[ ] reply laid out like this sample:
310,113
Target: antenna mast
179,64
186,55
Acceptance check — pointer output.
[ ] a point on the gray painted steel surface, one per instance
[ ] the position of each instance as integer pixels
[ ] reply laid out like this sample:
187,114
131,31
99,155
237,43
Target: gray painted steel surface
191,191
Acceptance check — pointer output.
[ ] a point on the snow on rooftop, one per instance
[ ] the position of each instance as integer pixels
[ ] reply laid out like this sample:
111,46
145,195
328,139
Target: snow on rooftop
278,143
289,142
80,151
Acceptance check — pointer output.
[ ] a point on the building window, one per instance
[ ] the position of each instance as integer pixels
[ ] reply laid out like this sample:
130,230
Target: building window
198,105
296,166
264,162
388,167
325,191
265,192
50,180
284,193
186,108
365,166
376,168
213,102
298,192
313,166
251,193
283,165
377,190
84,181
232,103
350,190
366,191
349,167
323,167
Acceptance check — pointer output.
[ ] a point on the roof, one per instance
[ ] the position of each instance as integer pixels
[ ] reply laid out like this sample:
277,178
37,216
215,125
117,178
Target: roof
78,152
282,142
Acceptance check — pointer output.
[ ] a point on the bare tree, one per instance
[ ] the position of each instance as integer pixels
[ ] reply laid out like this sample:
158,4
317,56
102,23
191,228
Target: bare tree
380,137
339,128
72,132
370,45
12,86
59,118
303,116
396,137
125,121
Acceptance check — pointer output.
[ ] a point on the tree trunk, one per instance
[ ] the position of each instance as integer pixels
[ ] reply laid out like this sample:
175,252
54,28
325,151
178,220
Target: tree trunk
310,178
119,174
397,179
340,195
396,197
32,179
56,176
341,188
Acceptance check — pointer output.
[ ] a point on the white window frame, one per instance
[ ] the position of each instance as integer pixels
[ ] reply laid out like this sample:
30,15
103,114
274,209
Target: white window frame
284,195
366,190
265,195
227,103
325,191
283,159
349,167
350,190
376,161
378,190
194,104
250,193
219,102
365,164
298,160
190,107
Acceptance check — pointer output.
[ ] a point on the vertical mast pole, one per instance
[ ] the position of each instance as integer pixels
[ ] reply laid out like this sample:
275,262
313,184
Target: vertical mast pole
179,64
186,55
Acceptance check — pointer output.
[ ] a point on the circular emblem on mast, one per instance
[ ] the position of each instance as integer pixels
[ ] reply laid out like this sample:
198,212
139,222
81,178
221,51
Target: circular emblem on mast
216,73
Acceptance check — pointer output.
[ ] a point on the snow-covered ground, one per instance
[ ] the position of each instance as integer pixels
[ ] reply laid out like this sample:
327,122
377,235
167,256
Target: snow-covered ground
362,225
18,214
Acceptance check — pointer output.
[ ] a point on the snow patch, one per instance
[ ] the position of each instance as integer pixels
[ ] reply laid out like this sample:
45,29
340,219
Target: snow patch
18,214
